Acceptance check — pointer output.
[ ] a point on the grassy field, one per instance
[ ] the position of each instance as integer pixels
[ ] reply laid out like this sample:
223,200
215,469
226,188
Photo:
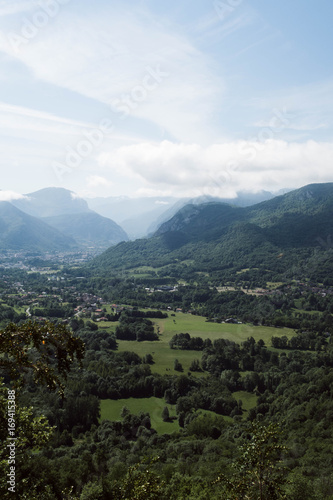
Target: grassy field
303,311
274,284
111,409
248,399
164,361
196,326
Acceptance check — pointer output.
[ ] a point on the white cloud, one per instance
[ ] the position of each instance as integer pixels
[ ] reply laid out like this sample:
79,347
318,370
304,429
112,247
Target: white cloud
152,69
13,7
40,115
210,28
31,120
114,55
299,125
222,169
75,196
153,192
32,135
96,185
306,108
11,195
94,181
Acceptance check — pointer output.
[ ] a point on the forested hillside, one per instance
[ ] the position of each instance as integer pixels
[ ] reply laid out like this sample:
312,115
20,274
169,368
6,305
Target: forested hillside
280,237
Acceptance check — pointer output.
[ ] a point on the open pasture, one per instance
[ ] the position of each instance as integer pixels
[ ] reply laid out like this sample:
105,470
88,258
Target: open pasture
111,409
196,326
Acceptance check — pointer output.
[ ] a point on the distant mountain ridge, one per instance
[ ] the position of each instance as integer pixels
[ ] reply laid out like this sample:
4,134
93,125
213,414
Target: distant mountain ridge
141,217
20,231
282,216
220,236
88,228
64,211
49,202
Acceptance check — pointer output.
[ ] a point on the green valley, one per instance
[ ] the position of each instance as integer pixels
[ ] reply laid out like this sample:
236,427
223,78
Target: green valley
207,346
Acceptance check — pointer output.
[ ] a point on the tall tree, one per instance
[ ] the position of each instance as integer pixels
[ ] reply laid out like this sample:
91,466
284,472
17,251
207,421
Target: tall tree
259,471
47,351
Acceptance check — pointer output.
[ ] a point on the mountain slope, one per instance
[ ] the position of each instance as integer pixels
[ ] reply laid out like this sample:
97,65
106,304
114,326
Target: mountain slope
140,217
88,228
242,200
203,222
20,231
68,213
295,219
276,234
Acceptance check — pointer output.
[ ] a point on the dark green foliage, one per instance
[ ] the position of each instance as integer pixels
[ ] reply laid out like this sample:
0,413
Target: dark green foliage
184,341
195,366
46,350
146,314
8,313
306,341
165,414
285,391
148,359
177,366
52,311
132,327
204,426
98,340
259,471
139,483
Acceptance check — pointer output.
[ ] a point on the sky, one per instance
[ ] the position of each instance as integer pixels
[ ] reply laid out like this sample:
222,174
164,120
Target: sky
154,98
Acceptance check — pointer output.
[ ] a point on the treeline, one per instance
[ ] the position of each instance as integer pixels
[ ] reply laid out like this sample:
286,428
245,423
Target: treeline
134,313
52,311
185,342
307,341
135,327
97,340
8,314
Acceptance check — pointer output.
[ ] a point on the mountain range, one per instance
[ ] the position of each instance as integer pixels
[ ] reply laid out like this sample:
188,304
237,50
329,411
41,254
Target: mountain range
50,202
277,235
209,233
55,219
77,225
20,231
141,217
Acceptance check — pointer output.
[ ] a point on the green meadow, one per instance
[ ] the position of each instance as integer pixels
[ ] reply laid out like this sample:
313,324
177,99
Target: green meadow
111,409
249,400
196,326
164,358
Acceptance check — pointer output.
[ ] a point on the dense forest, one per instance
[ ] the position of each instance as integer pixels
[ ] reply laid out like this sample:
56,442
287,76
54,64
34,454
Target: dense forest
288,431
184,366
